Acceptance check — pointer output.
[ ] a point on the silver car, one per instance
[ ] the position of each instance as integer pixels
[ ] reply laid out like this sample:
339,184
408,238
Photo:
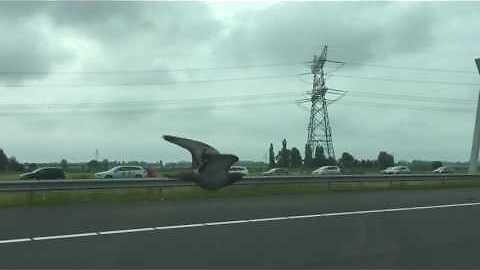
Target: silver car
327,170
396,170
238,170
123,172
443,169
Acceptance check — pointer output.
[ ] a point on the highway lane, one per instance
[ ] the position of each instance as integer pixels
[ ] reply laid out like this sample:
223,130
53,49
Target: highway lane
423,238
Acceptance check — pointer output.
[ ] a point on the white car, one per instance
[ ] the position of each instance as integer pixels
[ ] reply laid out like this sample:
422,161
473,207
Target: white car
396,170
238,170
276,171
443,169
325,170
123,172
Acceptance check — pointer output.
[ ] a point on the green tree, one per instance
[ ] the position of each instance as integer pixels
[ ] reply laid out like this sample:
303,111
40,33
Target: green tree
105,164
31,166
14,165
362,163
347,161
271,156
92,165
436,164
308,162
283,158
331,161
3,161
296,158
385,160
320,159
369,163
64,164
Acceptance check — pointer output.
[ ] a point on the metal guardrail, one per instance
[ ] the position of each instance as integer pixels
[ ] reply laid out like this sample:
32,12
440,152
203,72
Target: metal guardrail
88,184
370,178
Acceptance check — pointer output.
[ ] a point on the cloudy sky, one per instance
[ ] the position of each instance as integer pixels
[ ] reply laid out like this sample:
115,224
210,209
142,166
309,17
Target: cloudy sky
75,77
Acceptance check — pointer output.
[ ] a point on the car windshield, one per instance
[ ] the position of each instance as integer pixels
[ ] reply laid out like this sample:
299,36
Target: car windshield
239,134
37,170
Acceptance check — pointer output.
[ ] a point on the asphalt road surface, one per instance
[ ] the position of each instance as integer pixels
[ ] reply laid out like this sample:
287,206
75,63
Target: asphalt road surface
411,238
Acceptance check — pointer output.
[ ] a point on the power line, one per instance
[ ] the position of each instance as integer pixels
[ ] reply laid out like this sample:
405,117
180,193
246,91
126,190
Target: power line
383,95
247,97
155,109
202,107
161,101
266,77
408,80
398,80
250,100
185,69
434,99
416,107
131,71
405,67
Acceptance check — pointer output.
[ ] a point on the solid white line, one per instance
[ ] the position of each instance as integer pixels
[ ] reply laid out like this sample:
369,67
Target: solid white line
127,231
383,210
219,223
226,222
63,236
267,219
180,226
15,240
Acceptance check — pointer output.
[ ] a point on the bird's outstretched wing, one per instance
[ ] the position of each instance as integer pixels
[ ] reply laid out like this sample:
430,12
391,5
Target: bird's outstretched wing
196,148
214,173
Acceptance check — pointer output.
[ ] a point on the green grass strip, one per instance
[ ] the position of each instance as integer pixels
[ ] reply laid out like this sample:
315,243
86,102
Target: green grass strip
40,198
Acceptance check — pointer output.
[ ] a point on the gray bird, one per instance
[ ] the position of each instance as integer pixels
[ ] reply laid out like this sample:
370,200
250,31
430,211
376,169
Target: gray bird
209,167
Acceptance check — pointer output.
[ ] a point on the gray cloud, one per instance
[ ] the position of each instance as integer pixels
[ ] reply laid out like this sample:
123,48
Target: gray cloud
28,53
170,22
358,31
126,35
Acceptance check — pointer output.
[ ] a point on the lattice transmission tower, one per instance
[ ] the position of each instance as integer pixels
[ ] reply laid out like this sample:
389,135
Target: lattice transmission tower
319,132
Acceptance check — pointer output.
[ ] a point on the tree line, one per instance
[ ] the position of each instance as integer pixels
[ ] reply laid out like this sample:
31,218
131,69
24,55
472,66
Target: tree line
285,158
292,158
9,163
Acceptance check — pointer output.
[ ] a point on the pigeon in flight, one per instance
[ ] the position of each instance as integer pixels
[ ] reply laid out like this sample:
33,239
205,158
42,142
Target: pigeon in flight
209,167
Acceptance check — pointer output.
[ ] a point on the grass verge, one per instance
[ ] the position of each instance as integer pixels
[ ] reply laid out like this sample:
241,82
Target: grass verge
194,193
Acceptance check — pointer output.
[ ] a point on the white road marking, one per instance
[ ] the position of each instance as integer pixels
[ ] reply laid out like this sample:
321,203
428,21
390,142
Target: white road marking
127,231
64,236
267,219
226,222
219,223
15,240
180,226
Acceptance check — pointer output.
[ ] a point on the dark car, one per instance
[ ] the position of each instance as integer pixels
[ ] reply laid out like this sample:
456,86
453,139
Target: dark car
44,173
